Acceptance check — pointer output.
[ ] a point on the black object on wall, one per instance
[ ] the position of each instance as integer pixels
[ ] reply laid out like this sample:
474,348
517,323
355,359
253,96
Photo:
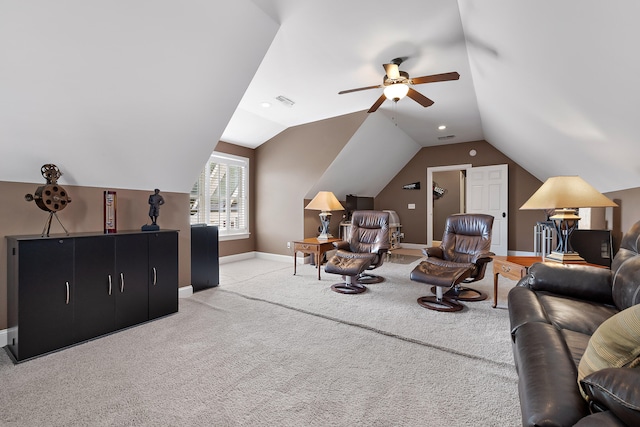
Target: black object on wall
355,203
205,267
595,246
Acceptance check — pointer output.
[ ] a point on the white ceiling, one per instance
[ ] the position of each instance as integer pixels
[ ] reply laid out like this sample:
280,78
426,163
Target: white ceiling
136,93
551,84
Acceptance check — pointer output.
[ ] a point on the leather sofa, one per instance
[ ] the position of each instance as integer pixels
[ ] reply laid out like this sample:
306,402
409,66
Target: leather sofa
560,313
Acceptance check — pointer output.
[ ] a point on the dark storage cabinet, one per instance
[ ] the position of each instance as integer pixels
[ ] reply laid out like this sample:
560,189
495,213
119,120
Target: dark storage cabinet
65,290
205,267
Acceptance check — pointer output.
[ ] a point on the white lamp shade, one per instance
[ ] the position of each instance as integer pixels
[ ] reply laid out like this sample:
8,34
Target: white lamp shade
325,201
566,192
396,91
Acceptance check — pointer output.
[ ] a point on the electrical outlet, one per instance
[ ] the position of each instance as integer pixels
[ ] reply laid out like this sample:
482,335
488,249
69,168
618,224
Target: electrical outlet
288,245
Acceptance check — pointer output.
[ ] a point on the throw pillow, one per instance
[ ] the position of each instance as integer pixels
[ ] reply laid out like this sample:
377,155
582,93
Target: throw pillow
615,344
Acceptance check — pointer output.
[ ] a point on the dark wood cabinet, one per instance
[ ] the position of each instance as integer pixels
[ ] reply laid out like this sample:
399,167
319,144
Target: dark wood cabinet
205,266
62,291
132,283
163,270
44,300
93,300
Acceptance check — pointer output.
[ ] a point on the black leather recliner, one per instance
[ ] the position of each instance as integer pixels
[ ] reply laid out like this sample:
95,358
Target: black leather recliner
364,249
462,257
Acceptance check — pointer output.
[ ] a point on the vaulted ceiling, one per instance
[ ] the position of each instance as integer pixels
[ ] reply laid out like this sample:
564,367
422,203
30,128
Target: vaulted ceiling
136,93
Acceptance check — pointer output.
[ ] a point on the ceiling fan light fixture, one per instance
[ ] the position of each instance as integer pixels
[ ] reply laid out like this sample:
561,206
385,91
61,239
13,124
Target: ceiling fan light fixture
396,91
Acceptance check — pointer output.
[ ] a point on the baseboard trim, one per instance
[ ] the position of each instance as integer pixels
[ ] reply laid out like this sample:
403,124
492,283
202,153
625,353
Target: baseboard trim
185,291
264,255
236,257
412,245
4,337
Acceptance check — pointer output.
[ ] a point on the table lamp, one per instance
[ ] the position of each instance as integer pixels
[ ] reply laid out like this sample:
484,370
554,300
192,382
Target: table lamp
566,194
325,202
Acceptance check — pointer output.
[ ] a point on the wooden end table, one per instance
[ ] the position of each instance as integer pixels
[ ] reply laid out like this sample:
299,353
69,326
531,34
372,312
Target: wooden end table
511,267
313,246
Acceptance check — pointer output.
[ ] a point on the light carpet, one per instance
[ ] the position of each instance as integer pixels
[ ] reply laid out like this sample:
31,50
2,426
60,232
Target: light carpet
267,348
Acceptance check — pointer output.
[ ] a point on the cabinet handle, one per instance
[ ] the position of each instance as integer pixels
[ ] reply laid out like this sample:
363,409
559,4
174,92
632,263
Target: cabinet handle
121,282
155,276
109,284
67,284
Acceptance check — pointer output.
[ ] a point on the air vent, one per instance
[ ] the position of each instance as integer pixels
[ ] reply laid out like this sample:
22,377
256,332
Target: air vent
286,101
443,138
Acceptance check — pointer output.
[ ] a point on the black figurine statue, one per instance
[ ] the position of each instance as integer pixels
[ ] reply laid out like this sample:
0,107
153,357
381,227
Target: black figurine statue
155,201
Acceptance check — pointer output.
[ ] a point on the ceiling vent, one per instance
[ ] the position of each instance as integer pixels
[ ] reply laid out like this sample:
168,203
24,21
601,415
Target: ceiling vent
286,101
443,138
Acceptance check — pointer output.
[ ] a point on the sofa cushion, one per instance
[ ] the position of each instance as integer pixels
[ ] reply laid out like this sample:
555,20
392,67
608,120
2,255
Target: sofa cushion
575,314
615,344
626,279
626,270
615,389
577,343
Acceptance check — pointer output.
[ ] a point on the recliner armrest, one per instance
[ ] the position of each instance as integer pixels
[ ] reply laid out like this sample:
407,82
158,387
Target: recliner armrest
574,280
483,257
342,244
433,251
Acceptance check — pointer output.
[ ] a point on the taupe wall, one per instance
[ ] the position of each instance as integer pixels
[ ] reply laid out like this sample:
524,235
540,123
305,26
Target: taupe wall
449,203
626,214
287,166
233,247
521,186
85,214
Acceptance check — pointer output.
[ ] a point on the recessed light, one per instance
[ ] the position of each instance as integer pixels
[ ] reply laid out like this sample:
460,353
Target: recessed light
265,104
442,127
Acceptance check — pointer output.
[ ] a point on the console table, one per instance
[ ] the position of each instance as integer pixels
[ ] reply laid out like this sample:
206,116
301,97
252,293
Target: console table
313,246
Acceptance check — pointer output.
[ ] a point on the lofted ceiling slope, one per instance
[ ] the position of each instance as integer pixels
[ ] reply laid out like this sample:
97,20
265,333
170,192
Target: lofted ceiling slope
122,94
550,84
135,94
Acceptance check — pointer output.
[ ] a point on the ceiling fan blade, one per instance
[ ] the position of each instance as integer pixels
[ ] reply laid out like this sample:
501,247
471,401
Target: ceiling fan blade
435,78
392,71
377,104
360,88
419,98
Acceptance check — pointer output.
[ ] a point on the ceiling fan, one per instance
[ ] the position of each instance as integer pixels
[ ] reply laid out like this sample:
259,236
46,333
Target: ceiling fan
397,84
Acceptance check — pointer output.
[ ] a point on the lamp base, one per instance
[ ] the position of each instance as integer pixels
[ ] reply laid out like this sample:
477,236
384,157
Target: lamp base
565,258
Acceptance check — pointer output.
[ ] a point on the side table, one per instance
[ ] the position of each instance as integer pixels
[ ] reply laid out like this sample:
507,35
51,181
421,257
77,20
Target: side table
511,267
313,246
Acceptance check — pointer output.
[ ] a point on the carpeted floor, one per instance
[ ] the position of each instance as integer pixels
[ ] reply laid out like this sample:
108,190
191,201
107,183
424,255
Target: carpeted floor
267,348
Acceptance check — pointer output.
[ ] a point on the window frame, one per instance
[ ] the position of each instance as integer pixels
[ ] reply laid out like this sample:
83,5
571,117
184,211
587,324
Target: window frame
204,195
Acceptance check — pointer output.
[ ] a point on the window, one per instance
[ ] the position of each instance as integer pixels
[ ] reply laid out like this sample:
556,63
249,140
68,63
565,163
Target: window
220,195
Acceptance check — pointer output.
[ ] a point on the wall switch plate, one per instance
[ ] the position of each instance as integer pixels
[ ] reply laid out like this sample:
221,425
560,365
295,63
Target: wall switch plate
411,206
288,245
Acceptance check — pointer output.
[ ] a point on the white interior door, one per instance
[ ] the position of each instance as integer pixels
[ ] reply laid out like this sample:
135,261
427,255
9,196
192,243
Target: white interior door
488,193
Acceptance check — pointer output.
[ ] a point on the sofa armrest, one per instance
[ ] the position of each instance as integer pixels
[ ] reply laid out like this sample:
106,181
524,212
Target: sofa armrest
574,280
617,390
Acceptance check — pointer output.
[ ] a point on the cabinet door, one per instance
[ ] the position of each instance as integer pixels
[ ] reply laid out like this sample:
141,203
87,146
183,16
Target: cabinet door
204,257
45,296
95,287
132,263
163,274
